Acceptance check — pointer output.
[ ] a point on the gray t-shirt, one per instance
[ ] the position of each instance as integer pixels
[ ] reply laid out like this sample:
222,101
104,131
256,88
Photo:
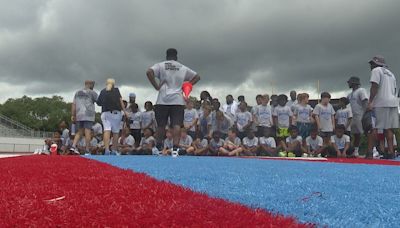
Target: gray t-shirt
264,116
201,143
189,117
216,144
356,99
84,103
221,126
172,75
340,142
236,141
314,144
187,141
168,143
325,114
283,113
303,113
250,142
268,142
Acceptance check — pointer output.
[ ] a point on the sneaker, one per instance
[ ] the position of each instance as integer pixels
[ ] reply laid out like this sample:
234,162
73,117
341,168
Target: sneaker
376,154
282,154
291,155
356,154
305,155
155,151
75,151
175,153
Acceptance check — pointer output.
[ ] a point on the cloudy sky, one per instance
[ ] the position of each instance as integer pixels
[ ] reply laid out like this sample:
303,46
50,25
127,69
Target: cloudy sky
237,46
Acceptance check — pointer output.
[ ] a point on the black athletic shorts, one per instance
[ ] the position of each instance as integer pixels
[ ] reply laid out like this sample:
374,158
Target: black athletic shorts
174,112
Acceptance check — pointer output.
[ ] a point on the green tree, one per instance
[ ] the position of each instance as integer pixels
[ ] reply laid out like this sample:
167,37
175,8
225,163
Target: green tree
43,113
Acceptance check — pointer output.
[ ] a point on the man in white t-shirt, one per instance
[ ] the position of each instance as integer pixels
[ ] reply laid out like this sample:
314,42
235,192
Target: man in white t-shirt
170,102
383,100
231,107
358,101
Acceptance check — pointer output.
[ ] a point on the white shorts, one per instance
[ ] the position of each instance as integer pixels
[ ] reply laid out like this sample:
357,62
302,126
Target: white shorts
112,121
387,118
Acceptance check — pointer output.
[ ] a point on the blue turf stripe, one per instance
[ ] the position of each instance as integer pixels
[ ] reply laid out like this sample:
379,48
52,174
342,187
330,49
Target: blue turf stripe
337,195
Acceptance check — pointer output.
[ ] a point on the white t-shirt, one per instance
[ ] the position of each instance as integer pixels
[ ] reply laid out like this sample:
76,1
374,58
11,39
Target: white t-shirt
202,144
242,119
97,129
216,145
236,142
343,115
386,96
340,142
82,142
130,141
168,143
230,109
135,120
250,142
268,142
189,117
325,114
314,144
303,113
187,141
356,99
147,117
264,116
172,75
283,113
146,141
292,140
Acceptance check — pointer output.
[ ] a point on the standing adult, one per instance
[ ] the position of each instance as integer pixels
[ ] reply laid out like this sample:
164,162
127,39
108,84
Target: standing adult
83,114
383,100
358,101
111,103
231,107
293,99
170,101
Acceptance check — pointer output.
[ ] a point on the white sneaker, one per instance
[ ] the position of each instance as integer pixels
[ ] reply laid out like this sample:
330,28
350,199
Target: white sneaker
74,150
376,154
356,154
175,153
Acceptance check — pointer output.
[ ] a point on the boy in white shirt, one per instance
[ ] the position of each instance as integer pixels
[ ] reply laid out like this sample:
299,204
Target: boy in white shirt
243,120
340,143
185,143
325,117
250,144
190,119
232,145
267,145
146,143
294,144
263,116
303,115
282,117
314,143
216,143
168,143
344,115
200,145
135,123
126,142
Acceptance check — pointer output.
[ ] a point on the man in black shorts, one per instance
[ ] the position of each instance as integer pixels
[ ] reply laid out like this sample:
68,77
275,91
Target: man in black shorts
170,102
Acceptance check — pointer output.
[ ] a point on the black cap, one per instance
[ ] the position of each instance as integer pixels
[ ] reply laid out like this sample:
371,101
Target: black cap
172,52
354,80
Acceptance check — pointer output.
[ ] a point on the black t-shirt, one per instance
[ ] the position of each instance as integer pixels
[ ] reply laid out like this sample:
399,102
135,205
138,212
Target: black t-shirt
110,100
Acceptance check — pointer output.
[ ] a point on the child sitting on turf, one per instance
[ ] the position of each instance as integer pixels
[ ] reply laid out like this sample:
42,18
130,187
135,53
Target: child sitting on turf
282,118
190,119
314,143
324,116
232,145
168,143
293,146
267,145
185,143
340,143
250,144
344,115
56,139
243,120
200,145
92,149
303,115
216,143
146,143
126,142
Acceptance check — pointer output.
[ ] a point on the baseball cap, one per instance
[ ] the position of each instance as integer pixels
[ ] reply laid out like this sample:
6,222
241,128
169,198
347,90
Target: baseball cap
354,80
378,60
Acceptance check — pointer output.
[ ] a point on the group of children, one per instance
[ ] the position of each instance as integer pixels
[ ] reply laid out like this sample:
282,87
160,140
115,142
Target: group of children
271,128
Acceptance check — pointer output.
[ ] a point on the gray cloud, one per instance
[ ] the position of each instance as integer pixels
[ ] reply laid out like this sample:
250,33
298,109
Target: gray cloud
55,45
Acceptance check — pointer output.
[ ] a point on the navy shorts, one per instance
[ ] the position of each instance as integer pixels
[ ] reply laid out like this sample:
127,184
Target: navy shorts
174,113
84,124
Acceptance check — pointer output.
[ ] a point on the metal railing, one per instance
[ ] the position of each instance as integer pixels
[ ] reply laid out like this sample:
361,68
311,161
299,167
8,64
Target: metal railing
19,148
16,129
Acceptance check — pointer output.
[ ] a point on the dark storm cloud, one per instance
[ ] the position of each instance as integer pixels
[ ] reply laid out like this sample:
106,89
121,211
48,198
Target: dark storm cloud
55,45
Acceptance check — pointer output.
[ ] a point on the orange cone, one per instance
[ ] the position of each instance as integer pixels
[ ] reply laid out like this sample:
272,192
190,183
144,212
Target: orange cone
187,88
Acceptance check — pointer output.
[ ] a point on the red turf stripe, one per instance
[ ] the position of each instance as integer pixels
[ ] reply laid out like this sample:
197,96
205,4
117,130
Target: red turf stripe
90,193
338,160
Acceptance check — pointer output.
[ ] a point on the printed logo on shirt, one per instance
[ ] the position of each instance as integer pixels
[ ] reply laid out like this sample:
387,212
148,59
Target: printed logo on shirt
171,67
